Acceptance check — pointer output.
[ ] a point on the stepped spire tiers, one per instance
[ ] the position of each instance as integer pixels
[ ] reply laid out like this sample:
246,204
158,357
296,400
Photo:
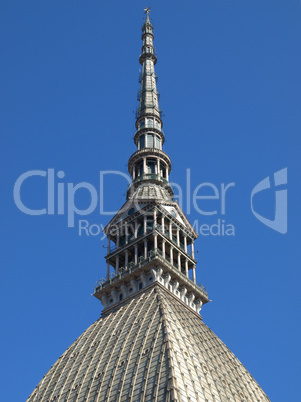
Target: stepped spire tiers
149,164
150,343
150,229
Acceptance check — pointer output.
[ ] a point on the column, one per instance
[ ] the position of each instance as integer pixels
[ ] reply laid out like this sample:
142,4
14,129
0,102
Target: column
109,245
193,274
136,229
192,249
144,166
108,271
170,230
163,248
126,234
134,172
185,243
186,268
136,254
155,242
155,217
171,255
126,263
166,173
145,248
163,224
158,167
117,239
178,237
117,265
179,261
144,224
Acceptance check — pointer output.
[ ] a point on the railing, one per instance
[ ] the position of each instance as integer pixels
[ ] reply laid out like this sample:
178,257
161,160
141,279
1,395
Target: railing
145,106
147,149
170,262
167,258
149,176
159,255
149,228
132,237
153,53
152,255
147,129
174,238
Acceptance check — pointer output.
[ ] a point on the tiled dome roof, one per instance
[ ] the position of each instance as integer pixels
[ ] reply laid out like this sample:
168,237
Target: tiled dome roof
151,347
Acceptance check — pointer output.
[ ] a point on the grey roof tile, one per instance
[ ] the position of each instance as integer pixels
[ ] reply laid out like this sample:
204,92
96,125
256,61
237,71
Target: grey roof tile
150,348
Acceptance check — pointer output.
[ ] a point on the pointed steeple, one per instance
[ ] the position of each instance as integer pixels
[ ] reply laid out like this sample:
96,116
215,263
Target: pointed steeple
149,164
148,94
147,10
150,236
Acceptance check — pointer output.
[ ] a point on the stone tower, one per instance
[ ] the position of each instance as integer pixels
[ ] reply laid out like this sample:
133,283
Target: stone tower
150,343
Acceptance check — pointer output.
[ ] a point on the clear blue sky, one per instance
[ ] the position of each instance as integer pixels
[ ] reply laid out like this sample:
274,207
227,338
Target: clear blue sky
229,77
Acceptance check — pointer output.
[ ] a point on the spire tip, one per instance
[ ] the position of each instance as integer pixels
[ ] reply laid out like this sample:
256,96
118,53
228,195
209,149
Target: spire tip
147,10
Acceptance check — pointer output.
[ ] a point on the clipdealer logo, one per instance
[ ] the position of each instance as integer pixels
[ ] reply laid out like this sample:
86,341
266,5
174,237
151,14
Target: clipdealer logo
279,223
61,200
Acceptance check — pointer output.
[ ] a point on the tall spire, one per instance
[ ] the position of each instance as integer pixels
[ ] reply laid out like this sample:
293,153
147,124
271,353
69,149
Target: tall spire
149,163
150,236
148,58
147,10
